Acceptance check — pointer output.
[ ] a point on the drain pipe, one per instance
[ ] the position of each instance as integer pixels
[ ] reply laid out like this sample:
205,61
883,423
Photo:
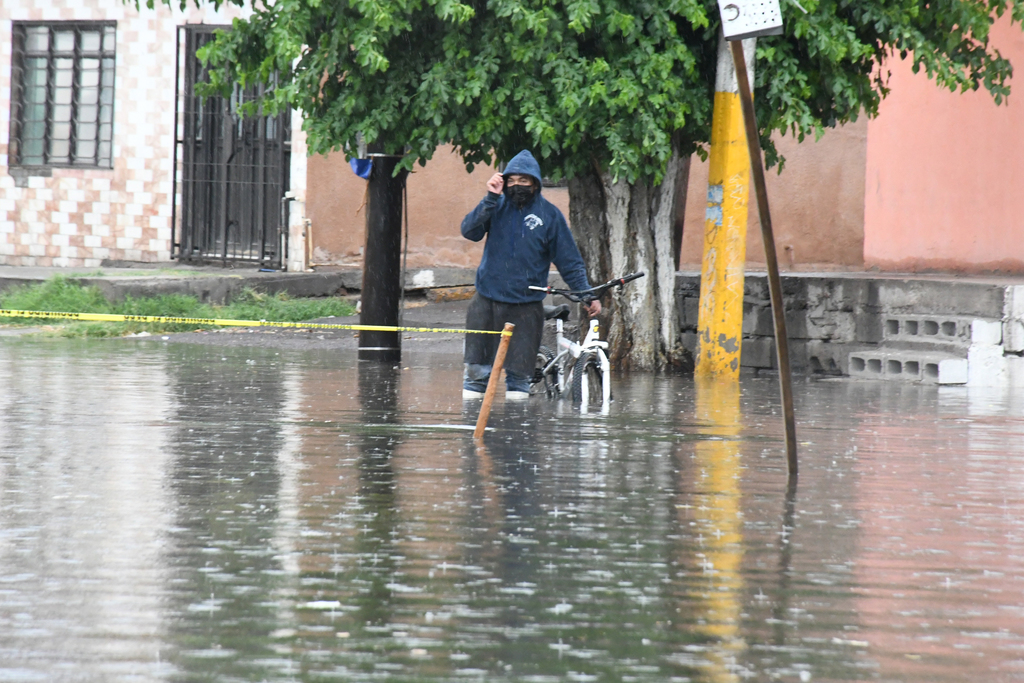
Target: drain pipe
308,234
285,229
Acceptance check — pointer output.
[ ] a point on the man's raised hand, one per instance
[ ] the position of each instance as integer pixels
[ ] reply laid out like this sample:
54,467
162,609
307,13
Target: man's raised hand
496,184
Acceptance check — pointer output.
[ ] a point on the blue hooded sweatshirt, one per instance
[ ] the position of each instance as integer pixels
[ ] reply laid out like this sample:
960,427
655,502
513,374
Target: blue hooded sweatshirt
522,243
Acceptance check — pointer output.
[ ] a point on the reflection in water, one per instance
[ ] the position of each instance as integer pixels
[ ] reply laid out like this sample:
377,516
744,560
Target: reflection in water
82,510
780,608
211,514
572,586
718,515
941,490
377,540
227,570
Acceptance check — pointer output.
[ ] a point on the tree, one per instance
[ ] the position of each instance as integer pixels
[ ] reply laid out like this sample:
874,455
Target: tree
612,95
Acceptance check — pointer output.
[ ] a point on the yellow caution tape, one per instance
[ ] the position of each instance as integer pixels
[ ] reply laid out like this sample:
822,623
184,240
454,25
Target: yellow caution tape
115,318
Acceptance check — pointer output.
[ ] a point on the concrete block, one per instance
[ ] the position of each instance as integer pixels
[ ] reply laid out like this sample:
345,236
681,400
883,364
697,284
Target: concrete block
1015,302
986,333
844,327
797,325
868,326
953,371
902,365
850,295
755,289
931,329
820,294
689,313
872,298
689,341
757,321
1015,370
687,283
758,352
986,366
798,361
866,365
1013,336
793,288
1013,314
826,358
941,297
826,325
903,369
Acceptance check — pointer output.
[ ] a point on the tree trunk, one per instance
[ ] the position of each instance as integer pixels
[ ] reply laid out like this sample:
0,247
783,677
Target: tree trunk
679,208
620,229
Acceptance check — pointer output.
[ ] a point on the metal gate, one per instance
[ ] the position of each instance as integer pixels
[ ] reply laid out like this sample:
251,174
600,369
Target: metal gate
231,172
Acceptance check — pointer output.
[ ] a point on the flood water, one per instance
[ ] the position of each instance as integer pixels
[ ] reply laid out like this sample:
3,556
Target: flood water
173,512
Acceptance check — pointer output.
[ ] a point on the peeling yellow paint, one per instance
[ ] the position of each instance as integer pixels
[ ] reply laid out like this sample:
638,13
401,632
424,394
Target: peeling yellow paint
720,317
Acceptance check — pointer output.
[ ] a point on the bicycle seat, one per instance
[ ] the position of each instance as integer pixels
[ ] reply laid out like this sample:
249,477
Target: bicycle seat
560,312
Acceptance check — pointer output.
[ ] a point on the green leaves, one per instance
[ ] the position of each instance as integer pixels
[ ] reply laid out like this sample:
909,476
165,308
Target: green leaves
581,14
584,83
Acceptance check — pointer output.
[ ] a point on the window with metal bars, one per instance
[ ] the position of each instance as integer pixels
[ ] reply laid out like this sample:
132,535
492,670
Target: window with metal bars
62,94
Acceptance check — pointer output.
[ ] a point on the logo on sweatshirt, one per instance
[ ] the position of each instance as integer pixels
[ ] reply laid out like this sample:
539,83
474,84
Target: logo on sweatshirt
533,221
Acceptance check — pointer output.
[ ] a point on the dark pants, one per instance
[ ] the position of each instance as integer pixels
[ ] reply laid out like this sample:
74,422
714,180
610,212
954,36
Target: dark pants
486,314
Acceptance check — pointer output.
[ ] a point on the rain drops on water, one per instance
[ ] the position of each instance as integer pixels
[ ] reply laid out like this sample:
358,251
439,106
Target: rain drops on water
561,608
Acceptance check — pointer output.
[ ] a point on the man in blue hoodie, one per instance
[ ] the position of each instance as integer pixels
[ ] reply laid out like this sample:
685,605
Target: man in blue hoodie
525,235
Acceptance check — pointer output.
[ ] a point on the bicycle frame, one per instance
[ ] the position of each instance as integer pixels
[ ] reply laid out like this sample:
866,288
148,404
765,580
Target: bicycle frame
570,349
564,348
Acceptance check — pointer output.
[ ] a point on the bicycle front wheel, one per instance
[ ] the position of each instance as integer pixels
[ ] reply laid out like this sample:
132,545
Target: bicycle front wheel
587,378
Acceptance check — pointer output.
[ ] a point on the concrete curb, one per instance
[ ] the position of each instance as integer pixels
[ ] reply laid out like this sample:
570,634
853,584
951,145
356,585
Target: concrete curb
219,285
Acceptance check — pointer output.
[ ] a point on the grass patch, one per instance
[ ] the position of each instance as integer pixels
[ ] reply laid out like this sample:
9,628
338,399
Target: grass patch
60,294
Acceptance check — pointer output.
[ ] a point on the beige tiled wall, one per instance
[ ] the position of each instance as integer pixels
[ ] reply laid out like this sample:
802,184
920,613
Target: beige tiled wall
79,217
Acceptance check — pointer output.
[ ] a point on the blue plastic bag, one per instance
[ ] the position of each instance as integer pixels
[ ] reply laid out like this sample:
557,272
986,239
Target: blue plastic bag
362,167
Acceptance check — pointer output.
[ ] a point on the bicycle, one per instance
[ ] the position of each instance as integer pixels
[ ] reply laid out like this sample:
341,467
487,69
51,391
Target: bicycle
582,367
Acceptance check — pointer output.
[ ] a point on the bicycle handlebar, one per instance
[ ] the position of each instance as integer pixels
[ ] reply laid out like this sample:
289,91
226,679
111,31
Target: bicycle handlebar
588,295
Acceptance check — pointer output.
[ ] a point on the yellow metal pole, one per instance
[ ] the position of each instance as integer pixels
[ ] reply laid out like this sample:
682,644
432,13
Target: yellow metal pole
720,317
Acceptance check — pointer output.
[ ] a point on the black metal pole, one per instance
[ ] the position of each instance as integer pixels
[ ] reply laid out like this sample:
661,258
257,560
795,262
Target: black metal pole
175,246
382,261
768,237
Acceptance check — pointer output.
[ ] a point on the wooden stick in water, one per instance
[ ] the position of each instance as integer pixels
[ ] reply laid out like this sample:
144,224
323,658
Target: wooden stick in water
492,383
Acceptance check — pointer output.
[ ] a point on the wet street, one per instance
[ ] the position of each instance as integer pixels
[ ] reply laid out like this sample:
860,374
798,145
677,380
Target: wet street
178,512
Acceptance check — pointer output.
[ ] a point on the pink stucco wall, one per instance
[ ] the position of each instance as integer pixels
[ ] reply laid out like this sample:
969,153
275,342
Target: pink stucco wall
816,203
944,174
440,195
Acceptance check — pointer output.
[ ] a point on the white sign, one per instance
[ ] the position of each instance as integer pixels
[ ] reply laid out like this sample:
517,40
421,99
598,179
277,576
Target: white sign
750,18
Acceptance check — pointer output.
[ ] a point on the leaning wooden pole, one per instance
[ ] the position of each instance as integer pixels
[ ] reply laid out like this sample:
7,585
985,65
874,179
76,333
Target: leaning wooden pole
492,383
768,237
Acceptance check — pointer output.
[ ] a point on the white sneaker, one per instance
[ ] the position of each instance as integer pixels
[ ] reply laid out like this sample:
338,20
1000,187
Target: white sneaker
469,394
517,395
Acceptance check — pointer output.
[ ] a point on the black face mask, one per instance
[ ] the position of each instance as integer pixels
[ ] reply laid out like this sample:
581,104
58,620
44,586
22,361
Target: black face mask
519,195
